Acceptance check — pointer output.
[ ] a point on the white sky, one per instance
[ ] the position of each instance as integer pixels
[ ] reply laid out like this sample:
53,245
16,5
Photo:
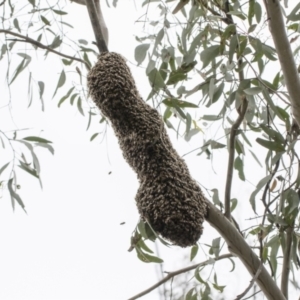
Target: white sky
71,244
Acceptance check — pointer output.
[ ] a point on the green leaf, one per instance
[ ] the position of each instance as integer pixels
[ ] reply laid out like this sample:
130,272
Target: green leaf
253,91
45,21
65,97
275,146
255,157
36,139
273,134
140,53
32,2
146,231
21,67
94,136
156,80
239,147
59,12
295,14
232,47
215,247
292,198
79,106
209,54
191,133
47,146
188,123
283,115
175,77
251,11
72,99
172,102
216,145
259,186
257,11
16,24
233,264
274,243
239,166
29,170
3,168
211,117
41,85
3,51
219,288
61,82
234,202
158,39
67,62
163,70
86,59
252,28
198,277
144,257
81,41
194,251
196,42
190,295
14,195
218,92
143,246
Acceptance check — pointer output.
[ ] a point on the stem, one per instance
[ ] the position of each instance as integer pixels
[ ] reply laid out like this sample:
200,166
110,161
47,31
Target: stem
250,285
233,131
27,39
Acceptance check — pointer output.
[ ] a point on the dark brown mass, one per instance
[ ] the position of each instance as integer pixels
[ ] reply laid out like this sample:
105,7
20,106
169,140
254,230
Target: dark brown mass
168,198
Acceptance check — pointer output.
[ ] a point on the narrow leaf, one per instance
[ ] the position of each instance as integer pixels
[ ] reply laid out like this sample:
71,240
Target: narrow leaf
61,82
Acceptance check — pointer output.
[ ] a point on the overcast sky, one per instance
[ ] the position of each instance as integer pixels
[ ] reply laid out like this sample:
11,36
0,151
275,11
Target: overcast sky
71,245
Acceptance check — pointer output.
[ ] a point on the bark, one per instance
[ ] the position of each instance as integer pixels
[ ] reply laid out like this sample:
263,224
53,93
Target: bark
103,26
285,55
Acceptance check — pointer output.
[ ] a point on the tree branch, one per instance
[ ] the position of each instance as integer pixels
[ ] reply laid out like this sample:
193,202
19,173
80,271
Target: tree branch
286,261
233,132
27,39
239,246
178,272
100,17
102,46
285,55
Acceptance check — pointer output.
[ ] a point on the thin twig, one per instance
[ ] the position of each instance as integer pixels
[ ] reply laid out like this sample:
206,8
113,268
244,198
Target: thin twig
233,132
240,296
268,186
251,296
178,272
242,111
27,39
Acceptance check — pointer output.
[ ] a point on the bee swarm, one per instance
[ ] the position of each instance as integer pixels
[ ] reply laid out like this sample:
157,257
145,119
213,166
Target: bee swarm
168,198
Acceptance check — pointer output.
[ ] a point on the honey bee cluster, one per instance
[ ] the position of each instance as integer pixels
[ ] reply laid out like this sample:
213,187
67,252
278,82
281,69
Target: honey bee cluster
168,198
